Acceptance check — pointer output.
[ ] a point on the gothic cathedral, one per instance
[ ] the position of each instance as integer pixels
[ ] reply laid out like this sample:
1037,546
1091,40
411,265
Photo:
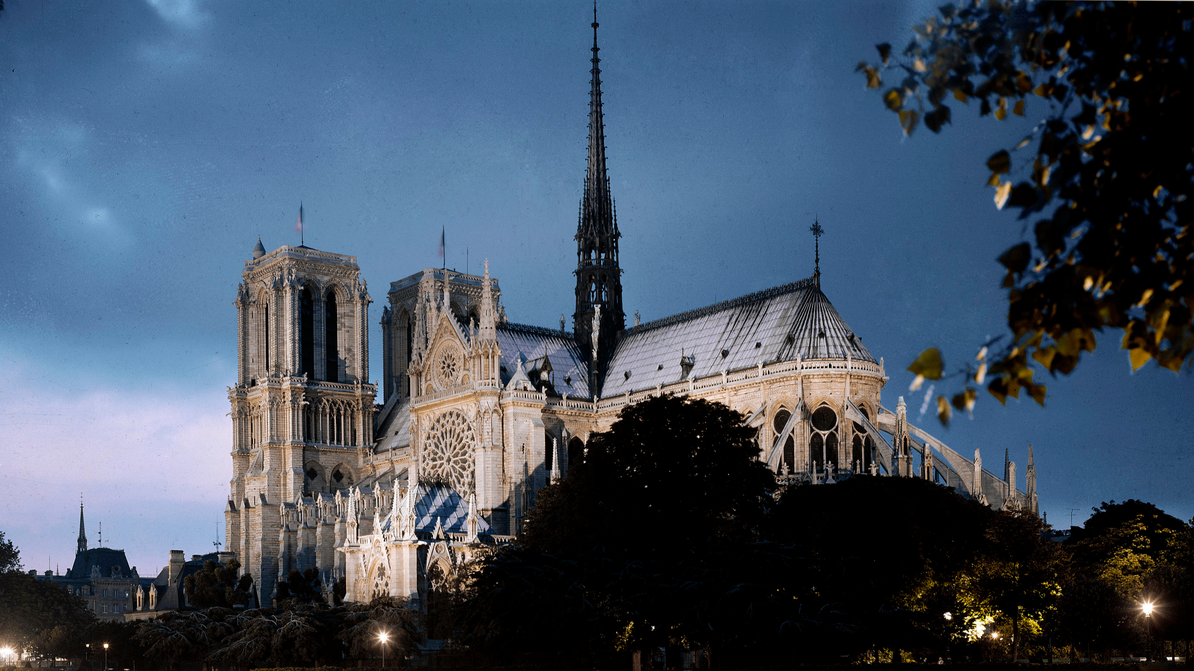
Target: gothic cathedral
479,413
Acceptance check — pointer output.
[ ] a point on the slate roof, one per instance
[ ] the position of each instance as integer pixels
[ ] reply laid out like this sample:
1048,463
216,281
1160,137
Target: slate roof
441,502
569,368
105,558
768,326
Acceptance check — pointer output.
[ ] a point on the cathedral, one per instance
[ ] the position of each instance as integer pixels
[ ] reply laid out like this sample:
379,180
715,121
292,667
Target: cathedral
478,413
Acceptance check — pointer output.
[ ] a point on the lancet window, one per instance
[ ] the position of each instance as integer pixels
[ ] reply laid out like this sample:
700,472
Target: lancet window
823,442
863,446
307,332
778,423
330,342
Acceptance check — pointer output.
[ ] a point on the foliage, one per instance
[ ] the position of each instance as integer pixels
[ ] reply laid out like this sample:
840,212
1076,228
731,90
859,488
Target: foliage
10,557
671,475
638,537
300,587
1018,573
216,585
29,606
1107,178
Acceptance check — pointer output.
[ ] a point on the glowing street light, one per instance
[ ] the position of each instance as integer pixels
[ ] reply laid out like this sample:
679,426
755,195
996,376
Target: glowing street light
948,616
383,637
1147,607
995,635
105,657
6,653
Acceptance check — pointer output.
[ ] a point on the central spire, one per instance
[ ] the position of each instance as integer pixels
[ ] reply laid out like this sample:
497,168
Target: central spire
599,316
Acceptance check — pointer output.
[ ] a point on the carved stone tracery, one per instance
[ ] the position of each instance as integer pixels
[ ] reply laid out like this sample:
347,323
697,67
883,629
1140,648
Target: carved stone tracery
448,451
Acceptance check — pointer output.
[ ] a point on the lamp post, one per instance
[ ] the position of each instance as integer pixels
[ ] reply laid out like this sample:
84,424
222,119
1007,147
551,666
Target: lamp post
383,637
1147,607
6,653
105,657
948,634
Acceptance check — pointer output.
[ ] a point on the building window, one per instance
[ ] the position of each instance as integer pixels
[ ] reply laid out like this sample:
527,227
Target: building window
105,608
778,423
823,443
330,345
307,333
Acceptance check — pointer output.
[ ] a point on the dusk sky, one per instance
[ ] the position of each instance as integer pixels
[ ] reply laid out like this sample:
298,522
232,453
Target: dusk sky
145,145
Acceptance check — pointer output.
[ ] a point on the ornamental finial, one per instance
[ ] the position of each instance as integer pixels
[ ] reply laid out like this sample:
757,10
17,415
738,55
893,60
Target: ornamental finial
817,232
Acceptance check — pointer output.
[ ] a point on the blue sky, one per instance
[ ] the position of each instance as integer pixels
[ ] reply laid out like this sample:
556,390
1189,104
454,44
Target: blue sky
145,145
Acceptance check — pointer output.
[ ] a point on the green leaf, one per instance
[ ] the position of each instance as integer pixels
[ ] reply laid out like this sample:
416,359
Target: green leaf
1000,162
1016,259
928,364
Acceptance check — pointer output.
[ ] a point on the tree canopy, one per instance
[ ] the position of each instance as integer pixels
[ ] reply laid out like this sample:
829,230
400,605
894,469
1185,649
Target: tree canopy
1104,176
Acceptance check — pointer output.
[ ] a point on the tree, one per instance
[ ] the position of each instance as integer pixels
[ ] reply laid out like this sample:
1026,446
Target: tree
1018,574
216,585
29,606
10,557
633,547
300,587
1107,178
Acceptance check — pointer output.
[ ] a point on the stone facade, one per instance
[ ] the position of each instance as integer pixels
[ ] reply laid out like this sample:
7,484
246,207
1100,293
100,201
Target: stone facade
479,413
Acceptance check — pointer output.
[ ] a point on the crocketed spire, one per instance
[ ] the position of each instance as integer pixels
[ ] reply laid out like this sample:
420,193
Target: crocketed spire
599,316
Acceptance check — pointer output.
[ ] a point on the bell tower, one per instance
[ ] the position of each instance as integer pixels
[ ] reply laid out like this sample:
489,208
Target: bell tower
599,316
302,407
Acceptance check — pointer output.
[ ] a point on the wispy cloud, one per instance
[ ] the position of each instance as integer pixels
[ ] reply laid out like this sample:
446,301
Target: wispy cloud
121,449
180,13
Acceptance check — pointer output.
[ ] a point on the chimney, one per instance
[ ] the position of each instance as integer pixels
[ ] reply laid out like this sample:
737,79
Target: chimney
177,559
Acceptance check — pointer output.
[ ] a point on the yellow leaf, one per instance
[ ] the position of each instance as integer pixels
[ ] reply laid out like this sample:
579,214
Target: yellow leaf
1088,132
1001,114
1087,283
919,65
928,364
1045,356
1018,110
1157,190
982,353
994,181
1139,357
959,96
1001,195
981,374
1038,394
943,410
920,379
1148,293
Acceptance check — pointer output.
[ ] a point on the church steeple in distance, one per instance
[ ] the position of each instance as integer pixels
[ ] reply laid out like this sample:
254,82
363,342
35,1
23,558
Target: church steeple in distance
82,531
599,316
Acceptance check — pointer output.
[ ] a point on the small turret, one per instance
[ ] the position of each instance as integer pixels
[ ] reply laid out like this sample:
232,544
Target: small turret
259,250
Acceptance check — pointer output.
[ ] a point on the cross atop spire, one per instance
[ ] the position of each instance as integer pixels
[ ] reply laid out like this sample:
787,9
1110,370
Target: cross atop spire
817,232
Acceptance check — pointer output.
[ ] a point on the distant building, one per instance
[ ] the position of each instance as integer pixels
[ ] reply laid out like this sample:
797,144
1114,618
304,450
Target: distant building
480,413
101,576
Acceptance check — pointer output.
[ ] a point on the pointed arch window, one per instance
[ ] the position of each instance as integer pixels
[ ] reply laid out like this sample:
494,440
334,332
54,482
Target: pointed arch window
863,447
777,424
823,443
330,342
307,332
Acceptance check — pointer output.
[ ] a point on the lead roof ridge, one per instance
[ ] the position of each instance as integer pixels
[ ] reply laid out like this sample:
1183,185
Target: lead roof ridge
799,285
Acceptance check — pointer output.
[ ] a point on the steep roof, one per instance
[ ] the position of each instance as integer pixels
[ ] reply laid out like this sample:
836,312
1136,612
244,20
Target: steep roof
769,326
569,372
103,558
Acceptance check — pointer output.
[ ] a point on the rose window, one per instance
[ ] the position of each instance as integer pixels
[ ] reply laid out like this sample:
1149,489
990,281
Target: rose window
447,369
448,452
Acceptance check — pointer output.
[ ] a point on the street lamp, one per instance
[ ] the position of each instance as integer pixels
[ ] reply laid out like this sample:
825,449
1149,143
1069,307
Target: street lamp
383,637
105,657
6,653
1147,607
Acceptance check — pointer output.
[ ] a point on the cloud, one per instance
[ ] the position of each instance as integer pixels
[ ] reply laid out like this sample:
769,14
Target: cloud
180,13
151,462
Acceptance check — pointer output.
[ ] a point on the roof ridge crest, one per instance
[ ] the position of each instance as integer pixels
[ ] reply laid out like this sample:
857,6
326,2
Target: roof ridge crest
806,283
